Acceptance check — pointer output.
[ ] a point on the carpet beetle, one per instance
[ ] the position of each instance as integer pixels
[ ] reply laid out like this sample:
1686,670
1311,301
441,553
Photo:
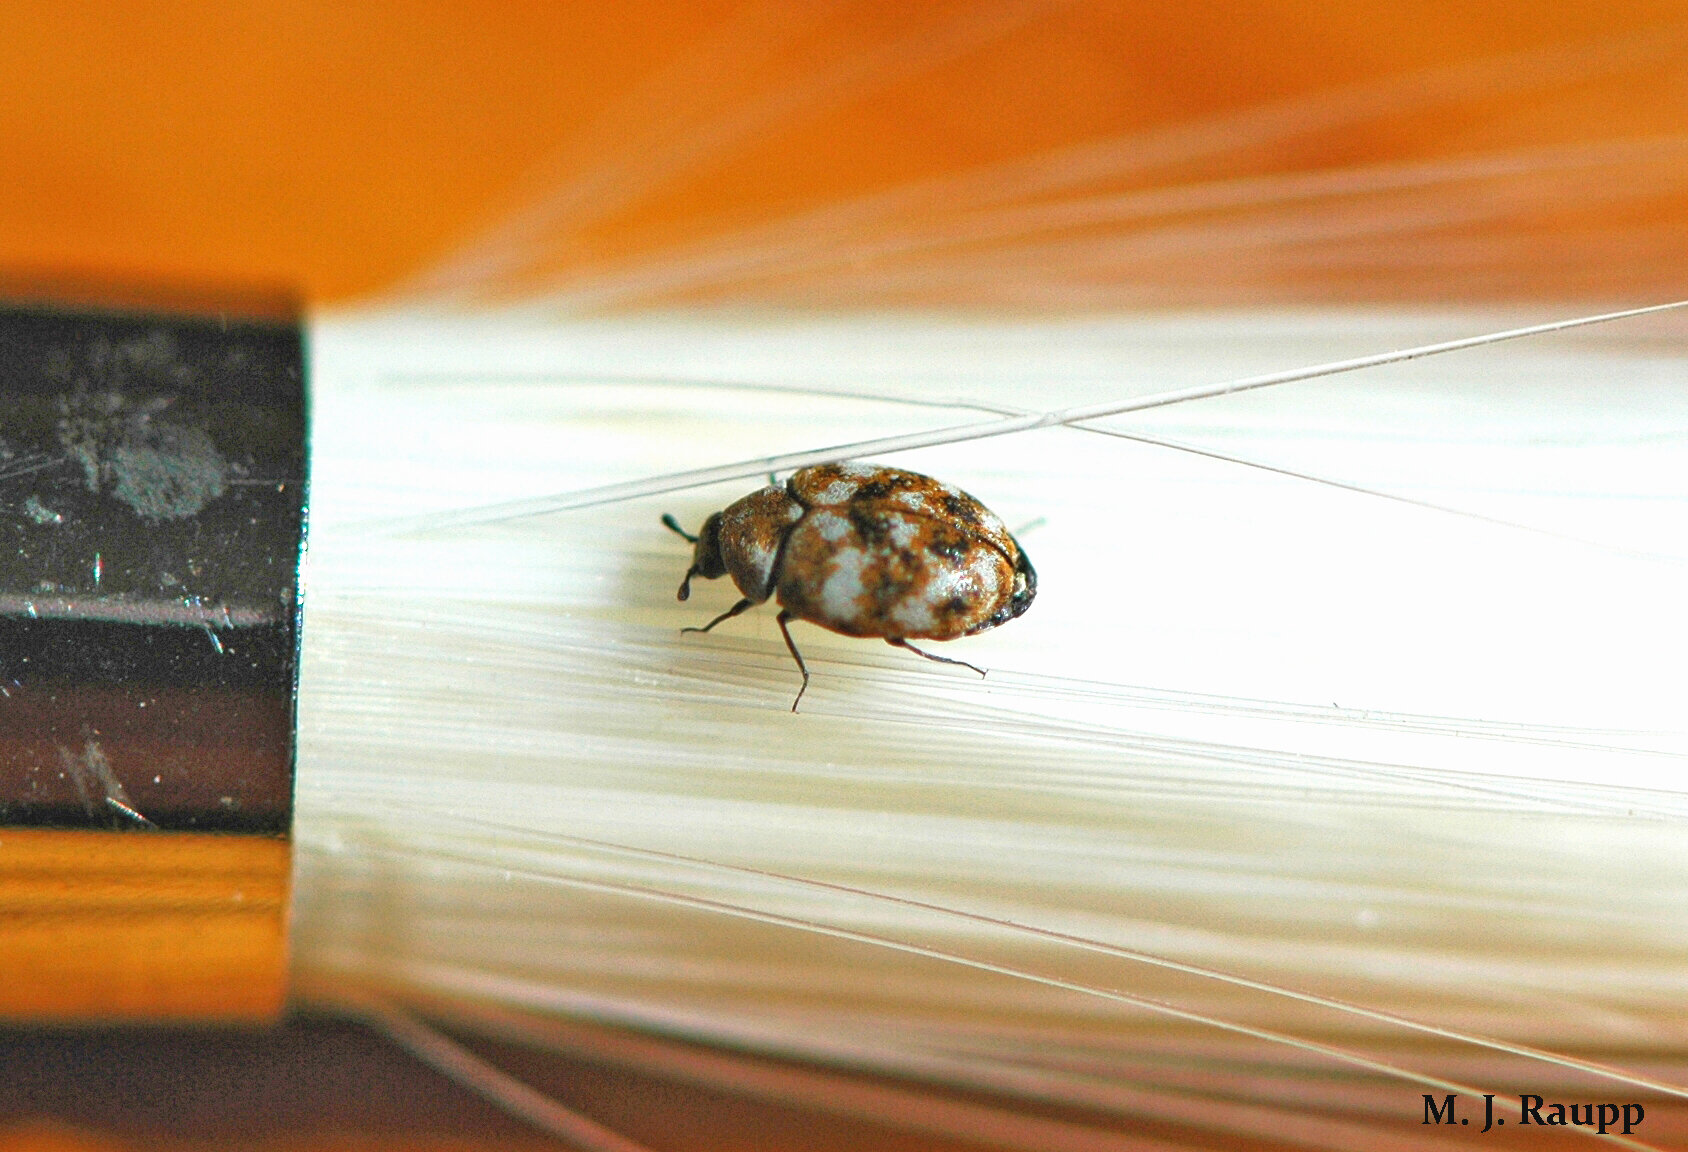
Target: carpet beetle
865,550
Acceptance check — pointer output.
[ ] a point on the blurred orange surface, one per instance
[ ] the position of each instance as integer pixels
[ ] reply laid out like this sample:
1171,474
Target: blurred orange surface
343,147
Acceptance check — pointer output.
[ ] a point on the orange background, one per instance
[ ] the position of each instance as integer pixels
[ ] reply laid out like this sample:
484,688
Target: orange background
340,147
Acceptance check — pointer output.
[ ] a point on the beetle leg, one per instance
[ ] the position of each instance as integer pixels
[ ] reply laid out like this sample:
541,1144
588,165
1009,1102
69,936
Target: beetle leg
727,615
795,655
897,643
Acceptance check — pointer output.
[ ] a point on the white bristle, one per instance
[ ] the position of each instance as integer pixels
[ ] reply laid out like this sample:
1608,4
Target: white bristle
1340,759
1263,747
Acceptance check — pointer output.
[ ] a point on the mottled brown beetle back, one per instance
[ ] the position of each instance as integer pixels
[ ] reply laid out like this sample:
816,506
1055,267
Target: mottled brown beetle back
866,550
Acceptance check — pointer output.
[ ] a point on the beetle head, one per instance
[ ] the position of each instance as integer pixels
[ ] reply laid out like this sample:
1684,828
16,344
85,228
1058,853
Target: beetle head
706,556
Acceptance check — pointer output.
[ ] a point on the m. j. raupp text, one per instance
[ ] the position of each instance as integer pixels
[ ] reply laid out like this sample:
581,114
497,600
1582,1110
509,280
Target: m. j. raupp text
1535,1110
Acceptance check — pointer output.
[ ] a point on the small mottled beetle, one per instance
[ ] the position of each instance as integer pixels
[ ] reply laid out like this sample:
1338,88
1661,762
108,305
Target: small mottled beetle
866,550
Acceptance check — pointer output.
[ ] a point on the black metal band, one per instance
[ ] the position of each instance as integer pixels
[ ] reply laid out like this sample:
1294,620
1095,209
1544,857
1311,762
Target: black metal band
152,516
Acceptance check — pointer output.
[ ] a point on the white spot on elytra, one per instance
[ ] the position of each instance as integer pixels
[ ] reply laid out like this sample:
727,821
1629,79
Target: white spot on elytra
947,583
843,588
914,615
831,526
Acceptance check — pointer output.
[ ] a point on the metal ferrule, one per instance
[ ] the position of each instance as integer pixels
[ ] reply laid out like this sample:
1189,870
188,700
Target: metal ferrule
152,515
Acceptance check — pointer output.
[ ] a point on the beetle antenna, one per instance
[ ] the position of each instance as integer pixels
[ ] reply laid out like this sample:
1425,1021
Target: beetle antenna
673,526
895,643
